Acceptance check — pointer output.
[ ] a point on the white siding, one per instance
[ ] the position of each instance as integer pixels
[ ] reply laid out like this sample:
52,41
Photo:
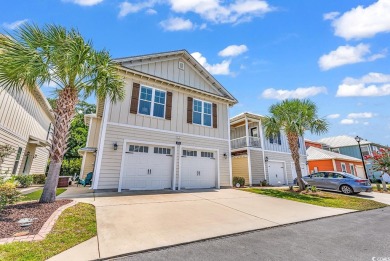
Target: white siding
111,159
257,167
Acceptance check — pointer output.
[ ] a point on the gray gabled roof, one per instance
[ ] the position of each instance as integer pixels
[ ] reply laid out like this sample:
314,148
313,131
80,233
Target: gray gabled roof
189,58
342,141
320,154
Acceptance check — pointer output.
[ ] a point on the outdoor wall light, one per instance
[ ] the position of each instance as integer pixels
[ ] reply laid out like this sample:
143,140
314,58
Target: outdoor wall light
115,146
27,154
266,159
225,155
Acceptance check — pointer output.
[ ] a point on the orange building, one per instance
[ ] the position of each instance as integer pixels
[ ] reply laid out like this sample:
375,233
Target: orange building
323,160
310,143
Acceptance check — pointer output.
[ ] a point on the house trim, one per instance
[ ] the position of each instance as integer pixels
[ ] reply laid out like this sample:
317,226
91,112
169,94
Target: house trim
102,138
230,149
165,131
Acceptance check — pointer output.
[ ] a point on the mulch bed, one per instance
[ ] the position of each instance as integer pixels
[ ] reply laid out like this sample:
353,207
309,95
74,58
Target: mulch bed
10,215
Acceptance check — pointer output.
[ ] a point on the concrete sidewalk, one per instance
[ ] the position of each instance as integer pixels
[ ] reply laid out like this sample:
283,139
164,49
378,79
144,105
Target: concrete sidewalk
135,222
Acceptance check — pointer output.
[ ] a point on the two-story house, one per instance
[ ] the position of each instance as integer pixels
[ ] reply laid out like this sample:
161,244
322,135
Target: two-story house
258,158
170,132
347,145
25,122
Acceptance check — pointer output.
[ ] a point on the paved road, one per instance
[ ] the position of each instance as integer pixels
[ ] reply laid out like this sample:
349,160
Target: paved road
356,236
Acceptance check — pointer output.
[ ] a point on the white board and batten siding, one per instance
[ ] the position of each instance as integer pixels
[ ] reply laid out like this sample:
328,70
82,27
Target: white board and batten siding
169,69
22,116
120,113
283,147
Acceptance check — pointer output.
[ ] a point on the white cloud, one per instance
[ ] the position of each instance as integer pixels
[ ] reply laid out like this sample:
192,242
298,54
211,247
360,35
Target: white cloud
364,22
203,26
126,8
331,15
236,11
299,93
84,2
177,24
348,55
14,25
333,116
151,11
366,123
348,121
216,69
233,50
361,115
371,84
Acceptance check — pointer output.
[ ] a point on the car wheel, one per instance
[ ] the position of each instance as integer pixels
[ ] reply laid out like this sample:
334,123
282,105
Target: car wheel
345,189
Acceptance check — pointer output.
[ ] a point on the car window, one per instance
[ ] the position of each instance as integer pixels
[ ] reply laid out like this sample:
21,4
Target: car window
337,176
326,175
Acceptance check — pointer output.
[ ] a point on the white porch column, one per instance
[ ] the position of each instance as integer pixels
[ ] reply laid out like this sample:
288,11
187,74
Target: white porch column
262,148
248,151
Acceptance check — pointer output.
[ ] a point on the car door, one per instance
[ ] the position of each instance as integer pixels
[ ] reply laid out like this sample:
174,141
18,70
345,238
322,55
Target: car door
315,179
321,180
334,180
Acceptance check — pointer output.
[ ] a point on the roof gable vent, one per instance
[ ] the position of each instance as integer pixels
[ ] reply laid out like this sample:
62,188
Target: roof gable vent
181,65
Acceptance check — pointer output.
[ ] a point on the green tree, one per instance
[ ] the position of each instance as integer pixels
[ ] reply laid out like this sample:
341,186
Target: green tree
33,56
294,117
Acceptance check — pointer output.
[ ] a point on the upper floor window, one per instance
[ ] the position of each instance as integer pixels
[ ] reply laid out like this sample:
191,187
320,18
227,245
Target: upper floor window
277,139
202,113
254,132
152,102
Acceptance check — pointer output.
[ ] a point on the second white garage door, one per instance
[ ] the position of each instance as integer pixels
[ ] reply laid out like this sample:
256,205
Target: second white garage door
147,167
198,169
276,174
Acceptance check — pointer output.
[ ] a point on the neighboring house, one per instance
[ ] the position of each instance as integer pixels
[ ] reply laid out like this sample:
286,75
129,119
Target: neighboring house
310,143
323,160
347,145
25,123
171,131
258,158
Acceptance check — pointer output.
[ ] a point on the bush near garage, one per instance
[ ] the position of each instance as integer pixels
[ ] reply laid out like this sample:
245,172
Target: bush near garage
38,178
239,180
24,181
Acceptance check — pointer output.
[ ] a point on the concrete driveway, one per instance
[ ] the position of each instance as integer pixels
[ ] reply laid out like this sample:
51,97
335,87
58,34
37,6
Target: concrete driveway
135,222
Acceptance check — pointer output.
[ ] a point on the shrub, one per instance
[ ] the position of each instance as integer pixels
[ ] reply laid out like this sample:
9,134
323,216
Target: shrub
313,189
8,194
38,178
264,183
24,181
239,180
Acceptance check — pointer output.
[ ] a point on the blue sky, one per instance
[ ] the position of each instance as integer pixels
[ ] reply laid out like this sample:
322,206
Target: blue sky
333,52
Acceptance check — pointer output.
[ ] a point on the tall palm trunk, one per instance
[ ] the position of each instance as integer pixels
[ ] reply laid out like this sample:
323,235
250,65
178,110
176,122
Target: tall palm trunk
64,113
293,144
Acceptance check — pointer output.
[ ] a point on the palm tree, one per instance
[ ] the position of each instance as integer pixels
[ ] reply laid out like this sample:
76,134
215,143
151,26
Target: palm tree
294,117
32,56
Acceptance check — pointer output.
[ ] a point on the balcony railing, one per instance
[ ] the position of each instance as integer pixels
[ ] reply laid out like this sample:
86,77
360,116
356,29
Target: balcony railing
242,143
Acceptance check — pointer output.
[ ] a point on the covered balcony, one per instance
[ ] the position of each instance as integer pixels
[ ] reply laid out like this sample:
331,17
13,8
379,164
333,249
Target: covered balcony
245,131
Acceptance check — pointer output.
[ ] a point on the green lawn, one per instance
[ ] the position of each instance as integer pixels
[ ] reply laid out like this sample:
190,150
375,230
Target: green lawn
325,199
37,194
75,225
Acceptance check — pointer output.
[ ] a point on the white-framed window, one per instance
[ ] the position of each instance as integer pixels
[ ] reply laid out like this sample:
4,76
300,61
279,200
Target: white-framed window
276,139
152,102
352,167
365,150
137,148
206,154
202,113
254,132
343,167
159,150
190,153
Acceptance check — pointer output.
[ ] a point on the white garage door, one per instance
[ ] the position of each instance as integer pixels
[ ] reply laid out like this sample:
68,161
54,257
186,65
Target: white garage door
276,176
294,172
198,169
147,167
